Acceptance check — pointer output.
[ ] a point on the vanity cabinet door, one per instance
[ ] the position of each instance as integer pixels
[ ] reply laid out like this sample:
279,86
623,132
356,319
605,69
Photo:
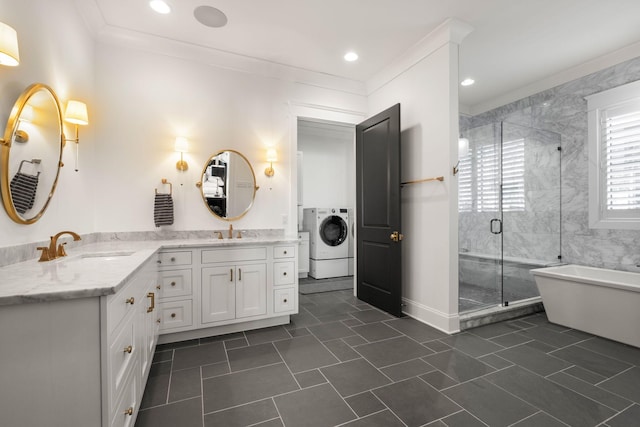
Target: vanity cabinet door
251,290
218,294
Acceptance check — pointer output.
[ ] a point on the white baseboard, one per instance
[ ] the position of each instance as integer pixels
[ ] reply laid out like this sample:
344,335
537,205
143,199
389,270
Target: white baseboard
447,323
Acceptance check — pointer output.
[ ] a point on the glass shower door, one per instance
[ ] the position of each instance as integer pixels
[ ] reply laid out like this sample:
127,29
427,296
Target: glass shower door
530,207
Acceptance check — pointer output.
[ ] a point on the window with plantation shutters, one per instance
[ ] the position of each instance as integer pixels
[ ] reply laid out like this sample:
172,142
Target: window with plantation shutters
479,178
614,158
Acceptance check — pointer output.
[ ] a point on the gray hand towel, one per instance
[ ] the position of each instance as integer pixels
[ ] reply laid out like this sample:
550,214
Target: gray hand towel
23,191
163,210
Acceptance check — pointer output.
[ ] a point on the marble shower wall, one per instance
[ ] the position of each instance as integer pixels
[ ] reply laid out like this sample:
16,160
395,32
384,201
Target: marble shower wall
563,111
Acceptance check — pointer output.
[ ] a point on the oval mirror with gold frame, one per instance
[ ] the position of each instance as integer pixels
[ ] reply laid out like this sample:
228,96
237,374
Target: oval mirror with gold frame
228,185
31,154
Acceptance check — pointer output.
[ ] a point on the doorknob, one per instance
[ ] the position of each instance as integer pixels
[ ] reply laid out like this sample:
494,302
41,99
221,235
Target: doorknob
396,236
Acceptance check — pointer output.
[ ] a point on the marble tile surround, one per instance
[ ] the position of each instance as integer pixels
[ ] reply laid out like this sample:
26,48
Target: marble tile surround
563,110
19,253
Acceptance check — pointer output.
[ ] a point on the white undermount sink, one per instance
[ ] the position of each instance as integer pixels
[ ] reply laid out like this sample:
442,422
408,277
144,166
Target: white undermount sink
106,256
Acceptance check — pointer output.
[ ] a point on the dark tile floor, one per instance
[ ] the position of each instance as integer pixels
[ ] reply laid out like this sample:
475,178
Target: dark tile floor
342,363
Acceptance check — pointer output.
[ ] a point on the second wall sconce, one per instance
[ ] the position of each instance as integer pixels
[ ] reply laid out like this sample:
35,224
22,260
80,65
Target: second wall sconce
76,114
9,54
181,146
272,156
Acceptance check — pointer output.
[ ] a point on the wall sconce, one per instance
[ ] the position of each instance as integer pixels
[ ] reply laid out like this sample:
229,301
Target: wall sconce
181,146
9,54
272,156
25,116
76,113
463,151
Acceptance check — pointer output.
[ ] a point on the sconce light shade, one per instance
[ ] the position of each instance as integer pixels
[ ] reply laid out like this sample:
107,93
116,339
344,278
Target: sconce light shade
76,113
9,54
272,156
181,146
463,147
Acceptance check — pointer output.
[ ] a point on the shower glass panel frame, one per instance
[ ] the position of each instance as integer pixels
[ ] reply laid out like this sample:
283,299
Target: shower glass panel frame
509,213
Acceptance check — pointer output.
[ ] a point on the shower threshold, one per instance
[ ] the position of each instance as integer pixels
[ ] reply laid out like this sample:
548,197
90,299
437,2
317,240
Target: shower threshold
498,313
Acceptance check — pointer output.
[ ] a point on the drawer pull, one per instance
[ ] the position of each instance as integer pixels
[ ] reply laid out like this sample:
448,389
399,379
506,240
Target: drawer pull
153,301
173,315
158,287
129,411
231,274
159,261
131,300
285,252
128,349
240,274
173,283
173,259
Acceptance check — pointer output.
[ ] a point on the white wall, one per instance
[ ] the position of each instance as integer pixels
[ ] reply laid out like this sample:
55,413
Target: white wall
328,171
55,49
147,99
427,92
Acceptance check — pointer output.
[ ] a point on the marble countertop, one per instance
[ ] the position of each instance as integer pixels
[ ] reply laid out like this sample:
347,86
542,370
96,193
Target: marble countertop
96,269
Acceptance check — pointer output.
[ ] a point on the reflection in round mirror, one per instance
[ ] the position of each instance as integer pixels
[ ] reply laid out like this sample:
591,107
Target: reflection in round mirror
31,154
228,185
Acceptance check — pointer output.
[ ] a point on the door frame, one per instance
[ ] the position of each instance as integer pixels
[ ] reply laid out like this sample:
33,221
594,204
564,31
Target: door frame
320,113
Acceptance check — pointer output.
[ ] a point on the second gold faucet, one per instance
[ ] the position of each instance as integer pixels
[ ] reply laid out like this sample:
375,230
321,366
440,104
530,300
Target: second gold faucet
54,250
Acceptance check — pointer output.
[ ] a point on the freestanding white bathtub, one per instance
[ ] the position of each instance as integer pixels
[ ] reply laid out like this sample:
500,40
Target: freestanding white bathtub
595,300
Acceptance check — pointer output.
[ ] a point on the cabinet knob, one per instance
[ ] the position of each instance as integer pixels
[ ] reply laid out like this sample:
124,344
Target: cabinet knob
285,300
159,321
159,262
131,300
173,283
129,411
158,287
128,349
173,259
173,315
284,274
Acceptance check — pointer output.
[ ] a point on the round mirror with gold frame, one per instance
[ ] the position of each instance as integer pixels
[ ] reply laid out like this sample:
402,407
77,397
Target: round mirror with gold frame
228,185
31,154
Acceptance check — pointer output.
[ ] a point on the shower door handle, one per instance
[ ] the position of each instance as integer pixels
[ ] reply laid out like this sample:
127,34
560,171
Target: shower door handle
493,228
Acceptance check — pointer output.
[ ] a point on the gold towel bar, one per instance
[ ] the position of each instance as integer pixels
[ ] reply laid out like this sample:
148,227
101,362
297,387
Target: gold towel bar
437,178
165,181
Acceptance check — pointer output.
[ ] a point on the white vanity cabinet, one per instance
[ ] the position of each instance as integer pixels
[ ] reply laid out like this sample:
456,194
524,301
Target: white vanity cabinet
212,290
81,361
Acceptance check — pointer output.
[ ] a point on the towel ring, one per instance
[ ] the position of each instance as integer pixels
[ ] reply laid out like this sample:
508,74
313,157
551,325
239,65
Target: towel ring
166,182
33,162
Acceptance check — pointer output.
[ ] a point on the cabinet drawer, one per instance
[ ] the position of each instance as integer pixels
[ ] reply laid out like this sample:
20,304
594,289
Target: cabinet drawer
176,314
122,354
124,410
233,255
122,304
284,300
175,283
174,258
283,273
284,252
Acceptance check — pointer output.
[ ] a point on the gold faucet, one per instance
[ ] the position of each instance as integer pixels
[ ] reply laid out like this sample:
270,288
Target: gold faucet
231,231
219,233
54,250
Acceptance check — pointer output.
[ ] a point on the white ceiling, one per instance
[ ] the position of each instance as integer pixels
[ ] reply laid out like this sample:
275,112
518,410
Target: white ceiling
515,44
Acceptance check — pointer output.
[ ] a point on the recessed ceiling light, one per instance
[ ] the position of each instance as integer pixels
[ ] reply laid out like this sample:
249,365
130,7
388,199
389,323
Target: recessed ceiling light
210,16
351,56
467,82
160,6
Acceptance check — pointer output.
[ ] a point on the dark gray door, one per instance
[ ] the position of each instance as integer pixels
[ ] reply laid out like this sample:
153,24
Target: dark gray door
379,265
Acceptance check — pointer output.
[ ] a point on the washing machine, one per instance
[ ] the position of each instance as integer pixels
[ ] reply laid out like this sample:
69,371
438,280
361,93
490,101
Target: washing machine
328,241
